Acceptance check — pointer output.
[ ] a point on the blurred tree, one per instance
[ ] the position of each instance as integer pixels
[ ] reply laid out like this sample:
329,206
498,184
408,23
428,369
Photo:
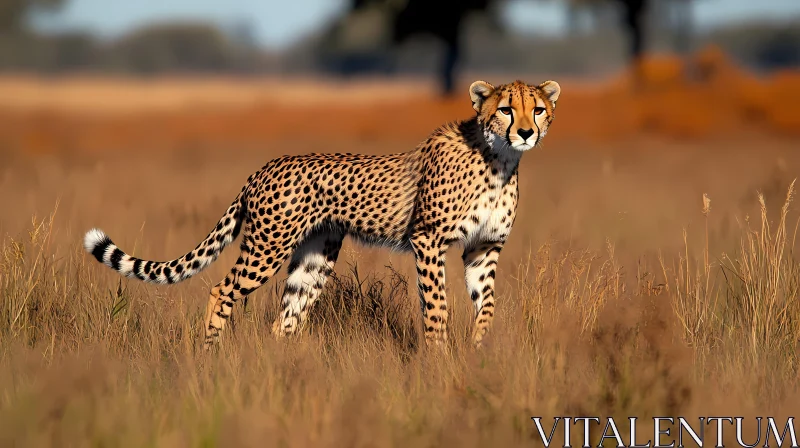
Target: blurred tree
681,24
19,46
633,14
674,14
243,33
174,47
633,21
13,13
71,51
442,19
357,42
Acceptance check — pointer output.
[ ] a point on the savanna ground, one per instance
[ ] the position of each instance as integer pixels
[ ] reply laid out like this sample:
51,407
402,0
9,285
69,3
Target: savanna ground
620,293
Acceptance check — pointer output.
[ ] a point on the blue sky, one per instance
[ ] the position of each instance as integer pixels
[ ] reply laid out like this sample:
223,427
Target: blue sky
279,23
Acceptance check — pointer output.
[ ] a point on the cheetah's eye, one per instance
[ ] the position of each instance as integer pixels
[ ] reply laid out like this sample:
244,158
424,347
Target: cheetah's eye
538,110
505,110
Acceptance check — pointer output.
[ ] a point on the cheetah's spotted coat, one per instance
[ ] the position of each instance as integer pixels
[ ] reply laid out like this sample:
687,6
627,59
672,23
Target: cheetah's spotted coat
459,185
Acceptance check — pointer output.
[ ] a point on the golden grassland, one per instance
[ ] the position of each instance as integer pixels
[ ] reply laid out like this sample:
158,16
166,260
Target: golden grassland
623,290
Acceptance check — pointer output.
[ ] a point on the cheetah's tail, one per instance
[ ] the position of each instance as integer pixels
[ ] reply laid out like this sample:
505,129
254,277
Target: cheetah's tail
167,272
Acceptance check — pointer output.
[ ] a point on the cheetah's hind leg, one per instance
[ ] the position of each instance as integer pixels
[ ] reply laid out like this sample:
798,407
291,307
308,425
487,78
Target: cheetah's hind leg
310,267
252,270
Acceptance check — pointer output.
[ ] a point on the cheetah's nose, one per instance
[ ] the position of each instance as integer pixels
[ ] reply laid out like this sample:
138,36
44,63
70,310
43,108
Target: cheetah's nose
525,133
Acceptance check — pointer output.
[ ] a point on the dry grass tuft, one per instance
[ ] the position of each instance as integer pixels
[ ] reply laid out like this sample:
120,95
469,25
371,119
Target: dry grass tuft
745,306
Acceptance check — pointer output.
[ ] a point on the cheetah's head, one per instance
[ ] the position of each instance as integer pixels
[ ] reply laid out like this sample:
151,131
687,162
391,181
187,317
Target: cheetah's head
515,114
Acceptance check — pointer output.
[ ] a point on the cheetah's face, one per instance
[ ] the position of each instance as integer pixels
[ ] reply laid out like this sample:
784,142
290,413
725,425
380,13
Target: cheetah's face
515,114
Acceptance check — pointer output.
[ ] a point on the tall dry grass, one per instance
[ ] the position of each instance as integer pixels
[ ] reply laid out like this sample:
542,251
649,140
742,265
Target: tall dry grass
88,359
745,304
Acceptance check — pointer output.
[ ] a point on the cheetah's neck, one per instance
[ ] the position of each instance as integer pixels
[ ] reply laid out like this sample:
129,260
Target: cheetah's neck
501,157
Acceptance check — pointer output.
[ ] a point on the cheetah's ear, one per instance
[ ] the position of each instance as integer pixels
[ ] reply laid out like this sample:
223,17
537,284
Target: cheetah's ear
551,89
478,92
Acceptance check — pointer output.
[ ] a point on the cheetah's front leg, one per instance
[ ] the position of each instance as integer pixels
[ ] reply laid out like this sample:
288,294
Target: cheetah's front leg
480,266
430,283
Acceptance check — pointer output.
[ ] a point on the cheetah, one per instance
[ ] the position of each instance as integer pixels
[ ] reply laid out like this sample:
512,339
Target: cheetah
459,185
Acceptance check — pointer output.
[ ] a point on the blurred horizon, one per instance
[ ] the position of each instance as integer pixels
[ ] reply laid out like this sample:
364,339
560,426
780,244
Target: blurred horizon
587,39
734,53
297,20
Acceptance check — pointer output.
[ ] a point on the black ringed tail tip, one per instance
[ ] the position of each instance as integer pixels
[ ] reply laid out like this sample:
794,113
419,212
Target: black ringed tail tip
97,243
